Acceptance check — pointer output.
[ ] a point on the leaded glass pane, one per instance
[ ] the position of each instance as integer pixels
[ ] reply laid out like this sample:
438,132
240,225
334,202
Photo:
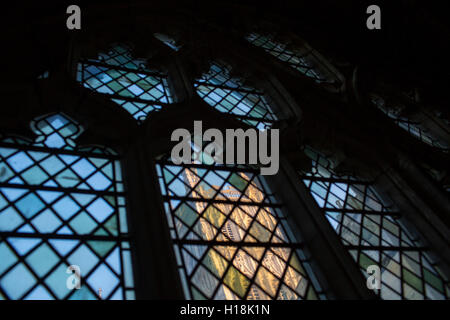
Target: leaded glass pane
130,83
58,208
301,61
396,112
228,94
230,235
374,234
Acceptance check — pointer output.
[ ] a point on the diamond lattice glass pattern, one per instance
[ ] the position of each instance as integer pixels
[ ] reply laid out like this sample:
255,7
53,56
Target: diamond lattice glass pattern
62,207
227,94
414,128
134,87
231,237
297,60
374,234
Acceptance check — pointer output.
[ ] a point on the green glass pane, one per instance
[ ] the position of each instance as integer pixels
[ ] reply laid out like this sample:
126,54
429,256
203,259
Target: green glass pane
372,226
111,225
30,205
365,261
34,176
83,223
433,280
311,295
115,86
168,176
295,263
101,247
98,162
236,281
259,232
67,179
215,263
52,165
101,232
186,214
238,182
42,259
108,171
213,215
391,227
133,77
111,200
410,293
57,281
411,265
412,280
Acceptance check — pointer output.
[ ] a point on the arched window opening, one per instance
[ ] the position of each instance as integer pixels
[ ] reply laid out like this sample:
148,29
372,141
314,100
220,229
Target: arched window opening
61,205
127,81
231,236
415,122
375,234
230,95
303,59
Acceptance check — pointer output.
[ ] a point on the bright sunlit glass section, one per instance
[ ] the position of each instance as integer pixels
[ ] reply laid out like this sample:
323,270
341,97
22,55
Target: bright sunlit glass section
231,236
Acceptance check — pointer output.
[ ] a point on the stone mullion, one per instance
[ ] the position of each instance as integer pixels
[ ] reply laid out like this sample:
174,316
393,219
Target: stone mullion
156,273
337,272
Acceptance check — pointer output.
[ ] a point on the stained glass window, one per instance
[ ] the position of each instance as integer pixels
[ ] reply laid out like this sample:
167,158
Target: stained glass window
230,235
60,206
229,95
301,60
396,111
375,234
126,80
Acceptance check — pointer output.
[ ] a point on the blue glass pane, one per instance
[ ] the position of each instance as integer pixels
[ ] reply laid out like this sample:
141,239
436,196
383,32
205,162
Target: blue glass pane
59,210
